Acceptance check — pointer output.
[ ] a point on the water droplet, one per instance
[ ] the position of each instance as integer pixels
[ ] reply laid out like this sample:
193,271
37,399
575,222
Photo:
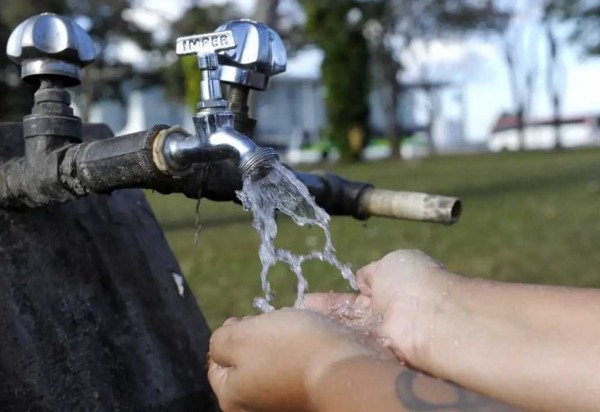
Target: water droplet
198,227
263,305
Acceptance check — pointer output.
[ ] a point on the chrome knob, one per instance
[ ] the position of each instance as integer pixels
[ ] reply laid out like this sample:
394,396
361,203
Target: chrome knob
259,54
51,45
205,47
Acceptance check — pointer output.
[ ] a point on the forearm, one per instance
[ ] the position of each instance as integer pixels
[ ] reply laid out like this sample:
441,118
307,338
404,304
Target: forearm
366,384
531,345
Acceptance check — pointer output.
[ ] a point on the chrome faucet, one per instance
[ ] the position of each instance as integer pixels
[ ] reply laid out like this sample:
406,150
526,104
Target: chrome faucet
259,55
215,138
65,160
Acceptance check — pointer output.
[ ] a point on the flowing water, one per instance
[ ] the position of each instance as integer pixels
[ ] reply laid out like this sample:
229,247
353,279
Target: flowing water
281,191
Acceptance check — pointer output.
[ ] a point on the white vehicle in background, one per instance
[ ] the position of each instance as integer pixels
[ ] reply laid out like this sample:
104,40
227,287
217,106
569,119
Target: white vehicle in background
539,134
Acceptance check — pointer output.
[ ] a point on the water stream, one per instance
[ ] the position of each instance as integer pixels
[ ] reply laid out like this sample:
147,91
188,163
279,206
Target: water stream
281,191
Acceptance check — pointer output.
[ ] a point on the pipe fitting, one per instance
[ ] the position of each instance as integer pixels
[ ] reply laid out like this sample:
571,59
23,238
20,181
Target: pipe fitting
175,151
161,151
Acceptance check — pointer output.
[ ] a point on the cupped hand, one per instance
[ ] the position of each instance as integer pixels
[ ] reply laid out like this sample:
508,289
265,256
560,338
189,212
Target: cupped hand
399,296
272,362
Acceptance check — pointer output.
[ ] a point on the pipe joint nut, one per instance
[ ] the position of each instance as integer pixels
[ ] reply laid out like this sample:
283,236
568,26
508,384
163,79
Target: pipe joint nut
159,152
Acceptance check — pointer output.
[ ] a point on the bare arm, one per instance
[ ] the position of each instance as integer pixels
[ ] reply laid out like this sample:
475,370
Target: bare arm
295,360
369,385
536,346
533,346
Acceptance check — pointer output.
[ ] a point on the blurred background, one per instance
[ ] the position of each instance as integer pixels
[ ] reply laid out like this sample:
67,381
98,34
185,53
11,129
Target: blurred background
495,101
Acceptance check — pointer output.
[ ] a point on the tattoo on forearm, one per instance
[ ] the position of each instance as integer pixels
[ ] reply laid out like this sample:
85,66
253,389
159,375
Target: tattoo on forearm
465,401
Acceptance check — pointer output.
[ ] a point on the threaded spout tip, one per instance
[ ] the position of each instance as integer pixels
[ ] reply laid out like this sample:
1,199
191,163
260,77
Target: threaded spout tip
258,163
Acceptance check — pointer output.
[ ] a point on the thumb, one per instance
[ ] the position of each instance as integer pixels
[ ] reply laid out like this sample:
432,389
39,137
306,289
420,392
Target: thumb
326,302
364,277
218,378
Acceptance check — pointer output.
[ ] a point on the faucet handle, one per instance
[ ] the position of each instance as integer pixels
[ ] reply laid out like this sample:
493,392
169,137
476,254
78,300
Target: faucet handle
51,45
205,47
259,55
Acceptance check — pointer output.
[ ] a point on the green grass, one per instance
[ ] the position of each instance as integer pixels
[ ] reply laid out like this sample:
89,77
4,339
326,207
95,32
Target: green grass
527,217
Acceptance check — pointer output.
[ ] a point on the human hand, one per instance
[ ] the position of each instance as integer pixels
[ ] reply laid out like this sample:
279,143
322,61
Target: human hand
274,361
404,290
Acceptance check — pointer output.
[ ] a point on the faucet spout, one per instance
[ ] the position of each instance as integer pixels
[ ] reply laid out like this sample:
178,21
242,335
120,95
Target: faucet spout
253,160
216,140
239,145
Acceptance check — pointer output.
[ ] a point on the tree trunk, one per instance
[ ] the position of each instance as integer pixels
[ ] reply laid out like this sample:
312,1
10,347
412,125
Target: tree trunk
517,95
91,314
521,127
554,92
391,91
430,137
434,111
266,12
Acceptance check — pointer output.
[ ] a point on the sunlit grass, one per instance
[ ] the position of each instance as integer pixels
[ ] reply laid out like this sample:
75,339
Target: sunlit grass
528,217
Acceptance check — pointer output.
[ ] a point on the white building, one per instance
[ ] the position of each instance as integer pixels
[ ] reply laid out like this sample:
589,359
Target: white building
539,134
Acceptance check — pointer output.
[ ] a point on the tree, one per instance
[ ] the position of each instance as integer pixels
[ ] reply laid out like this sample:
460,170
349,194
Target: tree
545,21
522,41
266,12
552,15
380,30
109,25
388,28
335,26
519,54
586,17
392,27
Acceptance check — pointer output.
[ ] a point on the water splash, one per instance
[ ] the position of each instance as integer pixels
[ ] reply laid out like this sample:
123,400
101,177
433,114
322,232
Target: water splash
281,190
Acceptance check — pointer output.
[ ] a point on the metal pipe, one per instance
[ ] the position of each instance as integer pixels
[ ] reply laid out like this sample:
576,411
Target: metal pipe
215,140
335,194
210,85
237,103
422,207
115,163
102,166
181,150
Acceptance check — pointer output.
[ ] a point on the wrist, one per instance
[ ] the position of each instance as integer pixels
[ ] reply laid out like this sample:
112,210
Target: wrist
437,310
353,384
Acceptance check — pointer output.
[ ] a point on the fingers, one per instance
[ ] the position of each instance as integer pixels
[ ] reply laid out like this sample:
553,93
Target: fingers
231,321
394,263
226,341
218,377
325,302
364,277
412,258
345,308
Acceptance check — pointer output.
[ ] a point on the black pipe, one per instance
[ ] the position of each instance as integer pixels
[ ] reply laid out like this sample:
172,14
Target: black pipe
101,166
127,161
338,196
115,163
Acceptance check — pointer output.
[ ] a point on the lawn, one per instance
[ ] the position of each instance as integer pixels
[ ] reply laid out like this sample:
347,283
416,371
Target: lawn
527,217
